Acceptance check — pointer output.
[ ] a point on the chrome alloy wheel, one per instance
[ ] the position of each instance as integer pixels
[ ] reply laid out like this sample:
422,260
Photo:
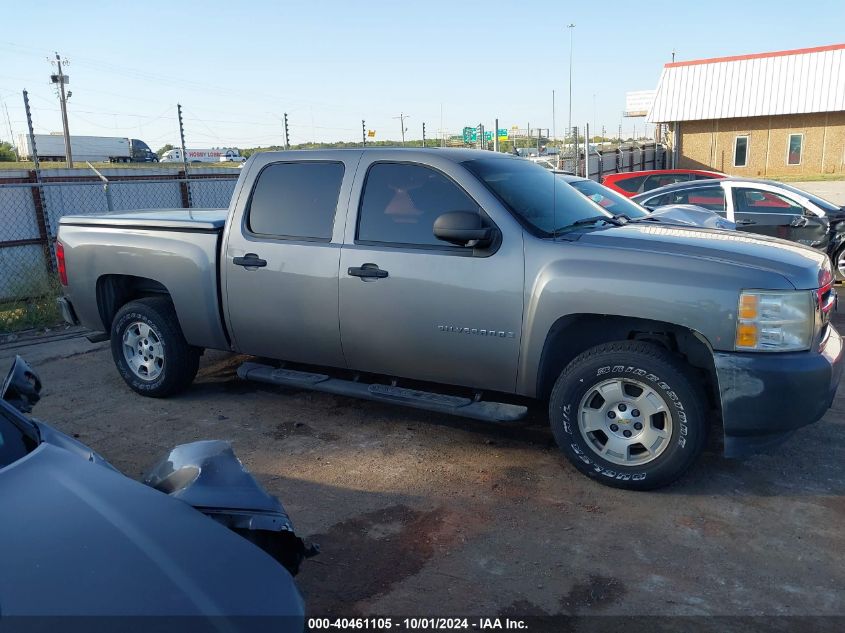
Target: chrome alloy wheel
625,421
143,351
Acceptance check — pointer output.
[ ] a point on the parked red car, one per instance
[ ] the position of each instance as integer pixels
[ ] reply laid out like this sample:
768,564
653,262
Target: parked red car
635,182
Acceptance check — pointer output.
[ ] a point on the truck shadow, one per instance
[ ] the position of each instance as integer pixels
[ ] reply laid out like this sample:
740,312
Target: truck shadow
803,466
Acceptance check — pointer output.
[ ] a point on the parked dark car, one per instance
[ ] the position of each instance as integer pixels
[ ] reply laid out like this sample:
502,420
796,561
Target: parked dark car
80,539
765,207
634,182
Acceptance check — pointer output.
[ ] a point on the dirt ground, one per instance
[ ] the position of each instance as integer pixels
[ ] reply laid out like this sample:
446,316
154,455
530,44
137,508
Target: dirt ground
424,514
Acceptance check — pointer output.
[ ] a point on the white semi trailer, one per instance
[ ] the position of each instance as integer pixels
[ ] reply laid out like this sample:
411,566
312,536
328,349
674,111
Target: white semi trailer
114,149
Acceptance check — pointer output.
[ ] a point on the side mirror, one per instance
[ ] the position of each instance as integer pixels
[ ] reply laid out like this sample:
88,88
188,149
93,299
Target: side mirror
22,387
463,228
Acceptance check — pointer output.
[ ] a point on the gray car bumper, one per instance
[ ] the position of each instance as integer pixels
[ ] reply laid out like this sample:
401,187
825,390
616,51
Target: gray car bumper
765,397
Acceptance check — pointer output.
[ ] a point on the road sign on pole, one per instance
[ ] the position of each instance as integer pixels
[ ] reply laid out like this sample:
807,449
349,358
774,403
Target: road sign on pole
503,134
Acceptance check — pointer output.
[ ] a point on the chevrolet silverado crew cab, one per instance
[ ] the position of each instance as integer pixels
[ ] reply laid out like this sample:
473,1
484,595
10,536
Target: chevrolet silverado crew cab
465,282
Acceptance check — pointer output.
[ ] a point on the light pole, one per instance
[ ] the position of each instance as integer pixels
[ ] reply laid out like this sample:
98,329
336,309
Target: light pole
570,27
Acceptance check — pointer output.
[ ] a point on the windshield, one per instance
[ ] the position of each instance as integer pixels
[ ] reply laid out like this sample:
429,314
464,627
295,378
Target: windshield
826,205
608,199
542,201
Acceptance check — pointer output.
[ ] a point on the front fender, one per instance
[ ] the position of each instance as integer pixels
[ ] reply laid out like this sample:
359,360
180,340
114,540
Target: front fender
572,279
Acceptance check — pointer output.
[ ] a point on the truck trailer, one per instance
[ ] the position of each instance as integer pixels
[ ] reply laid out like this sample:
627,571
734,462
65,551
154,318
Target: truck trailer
214,155
113,149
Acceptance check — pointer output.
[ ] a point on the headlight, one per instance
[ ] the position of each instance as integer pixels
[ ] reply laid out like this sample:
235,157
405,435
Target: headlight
770,321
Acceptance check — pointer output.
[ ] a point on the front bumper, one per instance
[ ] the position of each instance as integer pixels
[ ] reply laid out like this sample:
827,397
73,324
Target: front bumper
765,397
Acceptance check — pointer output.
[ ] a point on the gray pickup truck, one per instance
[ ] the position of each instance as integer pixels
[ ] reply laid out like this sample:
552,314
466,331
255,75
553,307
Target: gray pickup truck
466,282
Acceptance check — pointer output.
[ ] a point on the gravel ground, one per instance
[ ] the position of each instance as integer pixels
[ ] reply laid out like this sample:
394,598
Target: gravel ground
420,513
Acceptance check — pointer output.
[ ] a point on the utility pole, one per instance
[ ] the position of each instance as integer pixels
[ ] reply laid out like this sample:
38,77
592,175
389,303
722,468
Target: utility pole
402,118
554,119
287,134
570,27
363,132
11,134
423,133
61,79
496,137
184,153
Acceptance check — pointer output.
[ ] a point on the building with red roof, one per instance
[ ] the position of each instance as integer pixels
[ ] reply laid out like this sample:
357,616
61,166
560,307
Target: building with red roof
765,114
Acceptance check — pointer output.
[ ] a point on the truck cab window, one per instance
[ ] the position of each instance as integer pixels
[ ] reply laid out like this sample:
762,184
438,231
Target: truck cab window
296,200
401,201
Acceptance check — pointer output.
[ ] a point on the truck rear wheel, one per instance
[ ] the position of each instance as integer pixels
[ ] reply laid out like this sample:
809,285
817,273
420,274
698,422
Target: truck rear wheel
628,415
149,349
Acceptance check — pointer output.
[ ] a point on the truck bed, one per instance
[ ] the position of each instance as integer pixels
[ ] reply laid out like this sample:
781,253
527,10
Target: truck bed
190,219
176,248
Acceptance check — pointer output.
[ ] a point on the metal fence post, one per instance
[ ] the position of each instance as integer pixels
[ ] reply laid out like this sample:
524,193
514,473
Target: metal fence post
38,198
187,194
106,189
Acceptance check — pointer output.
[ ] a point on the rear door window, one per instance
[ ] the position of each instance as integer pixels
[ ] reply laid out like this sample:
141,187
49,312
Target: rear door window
296,200
661,180
712,198
631,185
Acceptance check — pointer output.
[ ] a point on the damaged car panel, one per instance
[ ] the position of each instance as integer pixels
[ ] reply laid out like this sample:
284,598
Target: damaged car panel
208,476
78,525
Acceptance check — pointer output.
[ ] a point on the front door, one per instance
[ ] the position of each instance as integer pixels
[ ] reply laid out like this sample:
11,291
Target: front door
416,307
281,261
759,210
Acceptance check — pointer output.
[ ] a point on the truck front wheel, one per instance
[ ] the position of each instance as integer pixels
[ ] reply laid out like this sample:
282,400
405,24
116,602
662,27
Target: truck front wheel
628,415
149,349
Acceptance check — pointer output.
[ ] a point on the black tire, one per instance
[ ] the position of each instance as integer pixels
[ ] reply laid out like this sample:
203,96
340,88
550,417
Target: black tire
837,274
637,363
180,361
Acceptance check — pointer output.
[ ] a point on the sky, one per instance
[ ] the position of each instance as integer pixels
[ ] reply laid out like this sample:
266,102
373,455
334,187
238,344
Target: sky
236,67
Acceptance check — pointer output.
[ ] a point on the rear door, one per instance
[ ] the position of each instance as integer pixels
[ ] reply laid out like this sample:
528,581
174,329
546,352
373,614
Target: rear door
761,209
436,312
281,257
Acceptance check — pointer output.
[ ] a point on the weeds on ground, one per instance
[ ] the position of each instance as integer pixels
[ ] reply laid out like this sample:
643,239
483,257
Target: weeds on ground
30,306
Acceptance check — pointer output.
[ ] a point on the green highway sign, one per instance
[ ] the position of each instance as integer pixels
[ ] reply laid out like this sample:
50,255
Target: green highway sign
470,135
503,134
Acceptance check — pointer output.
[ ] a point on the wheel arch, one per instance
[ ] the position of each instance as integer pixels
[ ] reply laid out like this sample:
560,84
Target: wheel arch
573,334
115,291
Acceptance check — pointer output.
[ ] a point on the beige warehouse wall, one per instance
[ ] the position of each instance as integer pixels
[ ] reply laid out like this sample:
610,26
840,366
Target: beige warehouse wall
710,144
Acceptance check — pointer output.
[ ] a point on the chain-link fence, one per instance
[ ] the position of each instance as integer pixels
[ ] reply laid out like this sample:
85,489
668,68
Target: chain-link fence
31,207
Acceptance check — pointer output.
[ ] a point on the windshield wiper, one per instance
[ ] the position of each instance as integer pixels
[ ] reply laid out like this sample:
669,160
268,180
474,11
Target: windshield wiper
619,219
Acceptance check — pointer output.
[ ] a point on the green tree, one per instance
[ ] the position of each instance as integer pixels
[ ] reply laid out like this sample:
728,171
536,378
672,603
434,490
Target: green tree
7,152
166,148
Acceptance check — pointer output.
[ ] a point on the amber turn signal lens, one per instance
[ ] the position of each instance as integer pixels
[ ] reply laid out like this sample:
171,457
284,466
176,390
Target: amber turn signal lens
746,335
748,306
